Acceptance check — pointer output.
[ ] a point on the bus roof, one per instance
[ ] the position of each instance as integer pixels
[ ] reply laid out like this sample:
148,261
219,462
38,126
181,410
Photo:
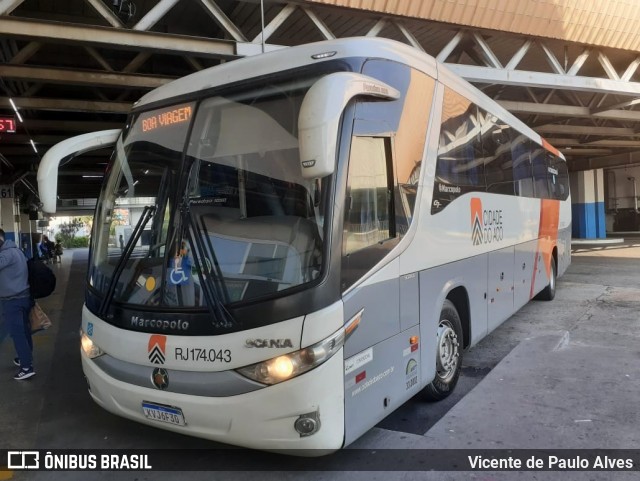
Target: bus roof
308,54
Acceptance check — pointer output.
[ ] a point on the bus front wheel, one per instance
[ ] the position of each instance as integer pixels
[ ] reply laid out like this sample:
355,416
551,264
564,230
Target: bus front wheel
448,354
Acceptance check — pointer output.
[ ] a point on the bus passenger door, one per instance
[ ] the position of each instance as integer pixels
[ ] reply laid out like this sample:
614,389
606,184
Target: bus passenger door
500,286
372,351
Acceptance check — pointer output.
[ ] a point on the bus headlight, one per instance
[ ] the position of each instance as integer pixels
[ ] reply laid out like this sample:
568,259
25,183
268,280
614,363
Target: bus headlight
89,347
295,363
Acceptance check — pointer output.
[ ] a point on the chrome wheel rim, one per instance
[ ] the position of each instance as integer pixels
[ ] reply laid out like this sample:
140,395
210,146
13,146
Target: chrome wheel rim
552,281
448,354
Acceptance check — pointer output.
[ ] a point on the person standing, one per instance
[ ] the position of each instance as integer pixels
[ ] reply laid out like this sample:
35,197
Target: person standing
43,249
16,303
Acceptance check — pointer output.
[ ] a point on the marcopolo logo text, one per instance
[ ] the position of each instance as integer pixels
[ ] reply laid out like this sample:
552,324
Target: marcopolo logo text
163,324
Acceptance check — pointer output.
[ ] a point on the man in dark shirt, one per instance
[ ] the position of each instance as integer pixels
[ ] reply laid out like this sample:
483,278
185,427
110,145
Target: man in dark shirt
16,302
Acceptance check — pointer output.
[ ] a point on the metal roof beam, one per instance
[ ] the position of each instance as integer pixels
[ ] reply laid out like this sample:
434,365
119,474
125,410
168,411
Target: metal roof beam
377,28
570,110
488,55
570,152
619,143
154,15
8,6
38,139
586,130
519,55
70,125
579,62
450,47
77,77
320,25
552,60
275,24
99,58
221,18
67,105
25,53
116,38
522,78
615,160
137,62
409,36
608,67
105,12
631,69
618,105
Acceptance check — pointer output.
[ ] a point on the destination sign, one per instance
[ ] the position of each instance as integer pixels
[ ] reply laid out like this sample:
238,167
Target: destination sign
165,118
7,125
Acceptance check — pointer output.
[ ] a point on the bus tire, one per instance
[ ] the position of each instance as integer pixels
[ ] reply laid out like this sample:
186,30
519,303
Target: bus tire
549,292
448,354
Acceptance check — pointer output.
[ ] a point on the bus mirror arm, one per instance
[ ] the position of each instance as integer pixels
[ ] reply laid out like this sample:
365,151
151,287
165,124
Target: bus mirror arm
48,170
320,113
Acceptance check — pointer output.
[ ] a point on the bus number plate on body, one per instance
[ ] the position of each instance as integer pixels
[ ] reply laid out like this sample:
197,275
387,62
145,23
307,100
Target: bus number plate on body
163,413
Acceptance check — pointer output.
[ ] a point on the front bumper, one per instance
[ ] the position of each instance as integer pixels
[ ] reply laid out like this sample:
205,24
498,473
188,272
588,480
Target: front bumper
262,419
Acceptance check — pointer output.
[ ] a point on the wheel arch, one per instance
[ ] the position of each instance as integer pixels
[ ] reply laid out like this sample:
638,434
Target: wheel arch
460,299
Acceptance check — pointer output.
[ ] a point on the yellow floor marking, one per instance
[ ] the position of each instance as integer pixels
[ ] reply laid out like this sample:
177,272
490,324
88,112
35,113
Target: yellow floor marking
4,475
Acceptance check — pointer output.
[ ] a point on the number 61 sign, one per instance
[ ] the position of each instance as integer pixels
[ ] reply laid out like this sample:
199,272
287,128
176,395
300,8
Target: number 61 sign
6,192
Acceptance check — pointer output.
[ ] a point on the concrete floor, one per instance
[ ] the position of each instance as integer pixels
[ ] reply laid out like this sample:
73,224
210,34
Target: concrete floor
561,374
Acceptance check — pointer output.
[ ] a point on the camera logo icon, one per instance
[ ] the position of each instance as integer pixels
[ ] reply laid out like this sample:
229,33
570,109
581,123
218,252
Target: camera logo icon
23,460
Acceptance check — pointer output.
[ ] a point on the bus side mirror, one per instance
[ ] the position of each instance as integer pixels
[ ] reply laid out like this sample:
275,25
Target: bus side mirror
48,170
320,113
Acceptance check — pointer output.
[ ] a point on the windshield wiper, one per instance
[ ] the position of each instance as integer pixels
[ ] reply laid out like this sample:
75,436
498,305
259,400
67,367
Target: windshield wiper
216,292
147,212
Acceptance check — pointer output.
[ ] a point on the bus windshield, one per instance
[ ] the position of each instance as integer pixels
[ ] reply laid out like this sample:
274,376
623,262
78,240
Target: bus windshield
206,204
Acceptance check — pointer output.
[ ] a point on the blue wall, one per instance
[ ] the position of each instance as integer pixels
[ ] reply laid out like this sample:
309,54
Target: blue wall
588,221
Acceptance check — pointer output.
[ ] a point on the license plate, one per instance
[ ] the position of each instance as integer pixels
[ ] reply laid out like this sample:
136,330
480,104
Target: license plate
163,413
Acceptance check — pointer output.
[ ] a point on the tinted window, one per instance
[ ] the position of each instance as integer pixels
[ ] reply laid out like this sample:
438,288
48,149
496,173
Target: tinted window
460,166
540,173
522,174
558,178
496,152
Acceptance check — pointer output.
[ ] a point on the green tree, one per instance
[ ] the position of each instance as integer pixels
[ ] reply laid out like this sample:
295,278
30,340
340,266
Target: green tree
68,231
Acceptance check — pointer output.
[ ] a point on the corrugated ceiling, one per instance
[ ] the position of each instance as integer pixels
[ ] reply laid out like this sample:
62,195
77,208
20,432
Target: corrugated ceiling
606,23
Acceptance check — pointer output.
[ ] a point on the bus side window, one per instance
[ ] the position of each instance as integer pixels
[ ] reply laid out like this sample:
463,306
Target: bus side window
522,175
460,167
369,185
559,178
540,173
496,150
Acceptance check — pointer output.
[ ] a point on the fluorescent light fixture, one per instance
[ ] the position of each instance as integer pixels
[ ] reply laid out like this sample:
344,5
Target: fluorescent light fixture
33,145
12,104
19,117
92,177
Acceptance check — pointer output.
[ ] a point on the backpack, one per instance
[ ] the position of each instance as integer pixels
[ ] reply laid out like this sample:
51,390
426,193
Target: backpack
42,280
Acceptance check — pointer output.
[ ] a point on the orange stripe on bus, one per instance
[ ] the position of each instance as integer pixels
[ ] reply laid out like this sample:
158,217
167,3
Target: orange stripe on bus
546,145
547,237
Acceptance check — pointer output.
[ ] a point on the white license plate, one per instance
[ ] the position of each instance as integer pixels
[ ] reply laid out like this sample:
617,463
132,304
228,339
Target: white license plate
163,413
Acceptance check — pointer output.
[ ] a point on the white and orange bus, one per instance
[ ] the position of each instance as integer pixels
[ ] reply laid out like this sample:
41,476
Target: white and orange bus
288,247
